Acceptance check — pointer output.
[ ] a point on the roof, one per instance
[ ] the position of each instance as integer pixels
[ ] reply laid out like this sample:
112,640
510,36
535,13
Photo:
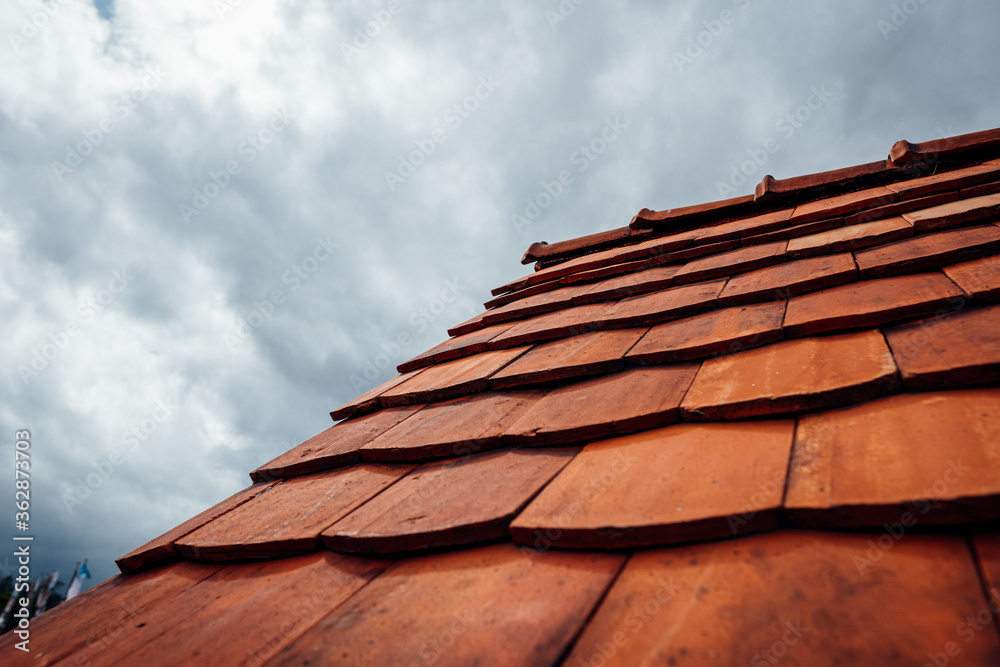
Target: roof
758,430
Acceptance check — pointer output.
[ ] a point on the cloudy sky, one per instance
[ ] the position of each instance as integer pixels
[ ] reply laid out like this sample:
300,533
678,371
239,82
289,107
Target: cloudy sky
219,218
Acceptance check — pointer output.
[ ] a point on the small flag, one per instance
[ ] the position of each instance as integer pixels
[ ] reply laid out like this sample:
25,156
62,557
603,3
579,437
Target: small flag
76,581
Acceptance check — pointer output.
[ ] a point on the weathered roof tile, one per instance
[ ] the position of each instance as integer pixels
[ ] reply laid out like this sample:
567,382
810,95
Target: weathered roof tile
674,484
870,303
449,503
792,376
633,400
935,456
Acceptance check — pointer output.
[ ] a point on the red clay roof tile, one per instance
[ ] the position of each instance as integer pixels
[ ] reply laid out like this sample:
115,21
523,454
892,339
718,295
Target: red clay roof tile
162,548
449,379
946,181
979,278
728,263
460,346
334,447
785,280
739,229
674,484
663,305
853,237
897,208
929,251
792,232
681,256
602,272
840,205
960,348
640,282
493,605
230,618
542,251
955,213
591,353
545,302
717,332
792,376
935,456
980,190
289,517
103,614
457,427
449,503
472,324
870,303
369,401
792,598
567,322
616,404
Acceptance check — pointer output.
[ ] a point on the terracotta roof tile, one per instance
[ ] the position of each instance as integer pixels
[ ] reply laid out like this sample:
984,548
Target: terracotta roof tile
587,354
640,282
369,401
728,263
792,598
929,251
935,456
230,618
460,346
870,303
616,404
717,332
853,237
851,202
540,251
955,213
450,378
947,181
663,305
979,278
792,376
681,256
491,605
792,232
456,427
738,229
604,272
290,516
162,548
980,190
897,208
674,484
538,304
334,447
472,324
566,322
101,614
431,506
784,280
959,348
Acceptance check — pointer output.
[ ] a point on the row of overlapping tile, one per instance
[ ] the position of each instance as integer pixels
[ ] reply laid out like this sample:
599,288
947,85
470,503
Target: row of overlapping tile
790,597
679,483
